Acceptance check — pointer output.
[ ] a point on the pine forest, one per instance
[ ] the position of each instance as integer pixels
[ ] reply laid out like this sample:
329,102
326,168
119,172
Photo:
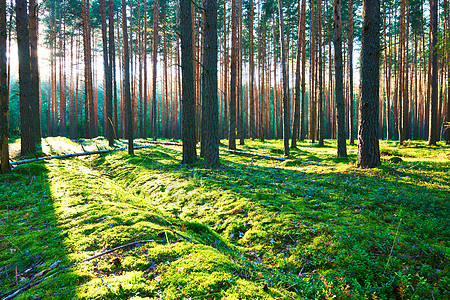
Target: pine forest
231,149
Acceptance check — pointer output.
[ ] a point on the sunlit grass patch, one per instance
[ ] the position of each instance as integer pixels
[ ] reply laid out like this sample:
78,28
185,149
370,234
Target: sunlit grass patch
312,227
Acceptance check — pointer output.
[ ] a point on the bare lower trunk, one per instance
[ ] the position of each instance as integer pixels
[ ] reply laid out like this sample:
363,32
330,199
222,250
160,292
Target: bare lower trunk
27,141
4,95
368,147
209,100
339,94
233,83
286,108
126,70
34,69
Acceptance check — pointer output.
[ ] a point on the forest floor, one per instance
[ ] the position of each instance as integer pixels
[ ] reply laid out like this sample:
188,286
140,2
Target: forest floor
253,229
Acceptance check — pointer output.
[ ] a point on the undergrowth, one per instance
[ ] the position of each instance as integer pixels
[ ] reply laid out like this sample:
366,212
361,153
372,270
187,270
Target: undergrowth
313,227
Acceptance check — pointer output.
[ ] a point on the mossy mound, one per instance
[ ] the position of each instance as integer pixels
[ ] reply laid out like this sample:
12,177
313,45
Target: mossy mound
395,160
33,169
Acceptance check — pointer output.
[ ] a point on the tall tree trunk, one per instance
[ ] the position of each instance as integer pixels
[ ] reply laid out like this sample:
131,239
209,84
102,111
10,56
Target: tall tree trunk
368,147
262,75
144,90
72,111
296,125
388,84
233,83
108,77
286,109
339,93
350,71
240,102
27,141
210,122
226,89
312,77
433,127
401,91
251,73
447,19
321,128
126,70
89,97
303,126
62,77
188,93
54,108
112,67
154,129
4,95
34,69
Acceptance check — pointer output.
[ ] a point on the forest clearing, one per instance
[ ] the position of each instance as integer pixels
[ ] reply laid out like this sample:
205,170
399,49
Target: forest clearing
252,229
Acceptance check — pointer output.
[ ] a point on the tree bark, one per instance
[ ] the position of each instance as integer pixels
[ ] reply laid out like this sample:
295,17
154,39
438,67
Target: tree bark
339,85
27,141
251,73
210,120
112,66
321,129
296,125
303,127
126,70
108,77
89,97
350,71
368,147
4,95
286,108
233,83
144,134
433,127
225,73
188,94
154,129
62,77
34,69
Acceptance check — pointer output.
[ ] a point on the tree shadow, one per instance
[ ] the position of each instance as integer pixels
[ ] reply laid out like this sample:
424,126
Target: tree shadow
323,219
32,241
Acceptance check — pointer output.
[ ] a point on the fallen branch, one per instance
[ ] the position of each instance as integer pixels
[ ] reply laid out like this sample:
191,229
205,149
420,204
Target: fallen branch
25,161
254,154
179,234
234,152
160,143
13,293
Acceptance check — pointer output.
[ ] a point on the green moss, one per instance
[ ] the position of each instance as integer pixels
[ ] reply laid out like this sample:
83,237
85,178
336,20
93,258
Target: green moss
32,169
253,229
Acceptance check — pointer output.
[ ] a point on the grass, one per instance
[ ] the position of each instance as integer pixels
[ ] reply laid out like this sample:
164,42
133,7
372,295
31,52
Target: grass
253,229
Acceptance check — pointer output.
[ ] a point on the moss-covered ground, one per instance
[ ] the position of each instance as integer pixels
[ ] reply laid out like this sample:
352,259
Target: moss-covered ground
253,229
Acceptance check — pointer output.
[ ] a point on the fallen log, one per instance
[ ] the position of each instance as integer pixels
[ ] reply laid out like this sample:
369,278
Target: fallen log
254,154
160,143
26,161
235,152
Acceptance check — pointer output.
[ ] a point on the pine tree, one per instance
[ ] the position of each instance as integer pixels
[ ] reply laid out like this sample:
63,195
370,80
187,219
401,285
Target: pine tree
368,146
286,110
27,141
34,70
4,97
210,122
233,81
126,71
339,85
188,94
433,129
